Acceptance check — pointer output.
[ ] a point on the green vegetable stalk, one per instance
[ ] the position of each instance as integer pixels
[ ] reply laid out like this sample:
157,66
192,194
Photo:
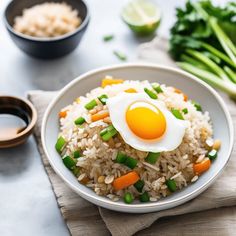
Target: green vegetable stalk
203,43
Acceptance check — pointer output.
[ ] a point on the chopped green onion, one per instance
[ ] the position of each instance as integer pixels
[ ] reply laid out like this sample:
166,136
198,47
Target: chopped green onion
150,93
144,197
177,114
103,99
69,162
76,171
108,133
171,184
79,121
131,162
60,144
185,111
120,55
152,157
197,105
104,131
107,129
157,88
139,185
128,198
107,38
212,154
91,104
121,157
76,154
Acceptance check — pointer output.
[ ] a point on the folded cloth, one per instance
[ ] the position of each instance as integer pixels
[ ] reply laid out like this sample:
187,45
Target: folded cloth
83,218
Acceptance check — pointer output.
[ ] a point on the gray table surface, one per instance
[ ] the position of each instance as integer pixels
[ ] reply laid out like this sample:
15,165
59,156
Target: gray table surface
27,203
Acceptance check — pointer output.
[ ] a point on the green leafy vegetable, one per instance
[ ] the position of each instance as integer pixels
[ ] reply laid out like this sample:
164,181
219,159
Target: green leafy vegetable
203,43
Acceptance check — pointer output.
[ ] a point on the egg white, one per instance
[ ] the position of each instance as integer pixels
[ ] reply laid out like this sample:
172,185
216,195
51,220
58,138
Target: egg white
175,128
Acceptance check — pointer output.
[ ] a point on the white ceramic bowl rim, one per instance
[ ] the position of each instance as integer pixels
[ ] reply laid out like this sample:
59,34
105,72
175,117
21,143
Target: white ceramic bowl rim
103,201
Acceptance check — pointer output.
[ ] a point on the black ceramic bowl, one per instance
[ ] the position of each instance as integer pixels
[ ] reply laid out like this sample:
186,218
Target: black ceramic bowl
46,47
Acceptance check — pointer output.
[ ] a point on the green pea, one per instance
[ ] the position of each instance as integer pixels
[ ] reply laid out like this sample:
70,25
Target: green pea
128,198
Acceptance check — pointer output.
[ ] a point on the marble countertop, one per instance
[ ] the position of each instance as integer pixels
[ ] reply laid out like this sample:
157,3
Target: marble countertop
27,203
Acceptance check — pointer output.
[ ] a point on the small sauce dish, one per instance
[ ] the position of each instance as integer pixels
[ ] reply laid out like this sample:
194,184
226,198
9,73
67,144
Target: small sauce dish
17,120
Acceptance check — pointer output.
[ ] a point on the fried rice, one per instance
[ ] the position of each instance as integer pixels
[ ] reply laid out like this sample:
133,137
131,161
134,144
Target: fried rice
97,166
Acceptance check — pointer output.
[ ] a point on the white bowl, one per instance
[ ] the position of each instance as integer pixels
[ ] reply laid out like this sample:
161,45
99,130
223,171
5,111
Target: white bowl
196,89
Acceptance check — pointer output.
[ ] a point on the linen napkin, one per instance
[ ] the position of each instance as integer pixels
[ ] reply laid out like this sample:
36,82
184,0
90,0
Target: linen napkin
83,218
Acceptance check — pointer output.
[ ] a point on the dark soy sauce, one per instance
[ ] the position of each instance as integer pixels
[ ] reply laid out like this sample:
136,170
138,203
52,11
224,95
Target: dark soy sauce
13,121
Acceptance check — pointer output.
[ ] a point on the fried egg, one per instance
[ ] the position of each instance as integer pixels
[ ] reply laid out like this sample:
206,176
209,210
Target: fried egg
144,123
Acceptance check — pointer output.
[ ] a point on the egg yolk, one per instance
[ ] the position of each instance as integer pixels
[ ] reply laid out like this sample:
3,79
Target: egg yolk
145,120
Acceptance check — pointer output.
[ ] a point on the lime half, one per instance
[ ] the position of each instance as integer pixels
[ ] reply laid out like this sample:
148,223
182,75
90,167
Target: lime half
142,16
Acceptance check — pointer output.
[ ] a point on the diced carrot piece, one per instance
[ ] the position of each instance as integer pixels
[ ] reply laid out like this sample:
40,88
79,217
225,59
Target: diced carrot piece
109,81
180,92
201,167
130,90
100,115
125,180
63,114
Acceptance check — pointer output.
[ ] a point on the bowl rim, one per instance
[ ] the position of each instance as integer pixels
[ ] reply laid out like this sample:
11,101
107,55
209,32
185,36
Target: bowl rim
46,39
151,206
